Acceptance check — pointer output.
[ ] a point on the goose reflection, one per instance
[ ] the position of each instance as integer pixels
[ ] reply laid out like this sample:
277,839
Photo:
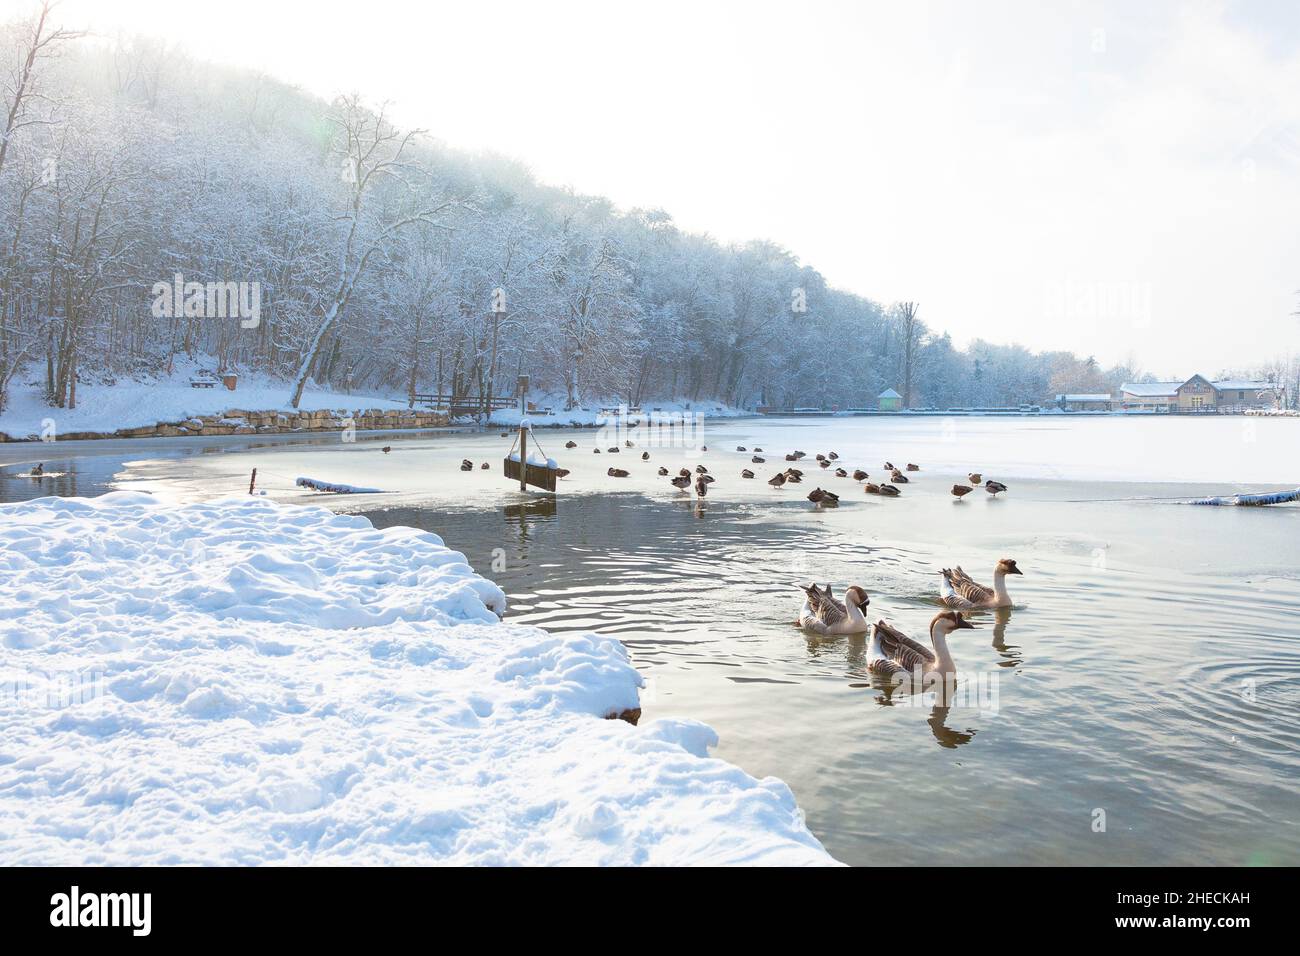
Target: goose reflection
1010,653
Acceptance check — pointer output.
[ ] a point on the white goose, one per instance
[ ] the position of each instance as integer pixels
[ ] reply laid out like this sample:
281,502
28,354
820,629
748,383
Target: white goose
957,589
894,655
824,614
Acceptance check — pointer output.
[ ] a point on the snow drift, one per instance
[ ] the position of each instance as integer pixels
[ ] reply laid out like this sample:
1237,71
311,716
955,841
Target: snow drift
242,682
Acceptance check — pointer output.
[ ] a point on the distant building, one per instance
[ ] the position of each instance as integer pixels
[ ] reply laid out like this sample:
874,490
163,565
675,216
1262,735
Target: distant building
890,401
1086,402
1199,394
1150,396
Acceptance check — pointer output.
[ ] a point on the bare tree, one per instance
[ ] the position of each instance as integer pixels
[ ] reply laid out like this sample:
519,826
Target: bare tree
21,87
910,330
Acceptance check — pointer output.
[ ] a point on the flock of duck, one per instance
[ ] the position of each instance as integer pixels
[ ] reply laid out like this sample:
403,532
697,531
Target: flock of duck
891,654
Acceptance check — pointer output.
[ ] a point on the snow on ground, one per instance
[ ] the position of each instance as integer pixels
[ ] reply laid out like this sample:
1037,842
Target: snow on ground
243,682
135,404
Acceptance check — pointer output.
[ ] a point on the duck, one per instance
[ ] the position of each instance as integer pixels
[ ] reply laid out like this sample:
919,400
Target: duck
466,465
776,481
484,466
757,460
704,448
860,475
819,496
685,472
663,472
570,444
505,434
595,451
994,487
825,463
794,477
912,467
841,473
386,449
707,479
701,470
889,466
627,443
975,478
681,482
757,450
871,488
746,473
895,656
617,473
740,448
701,486
957,590
791,457
645,456
823,613
614,450
821,457
890,491
961,491
833,455
562,473
898,477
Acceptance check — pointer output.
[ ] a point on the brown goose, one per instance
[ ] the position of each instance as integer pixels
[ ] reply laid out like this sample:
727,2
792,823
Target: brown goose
961,491
895,656
823,613
958,590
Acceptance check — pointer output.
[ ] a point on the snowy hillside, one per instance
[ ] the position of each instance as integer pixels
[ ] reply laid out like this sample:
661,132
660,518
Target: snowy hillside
243,682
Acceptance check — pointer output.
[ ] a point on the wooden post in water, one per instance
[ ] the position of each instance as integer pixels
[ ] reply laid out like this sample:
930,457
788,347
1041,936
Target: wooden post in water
521,385
252,481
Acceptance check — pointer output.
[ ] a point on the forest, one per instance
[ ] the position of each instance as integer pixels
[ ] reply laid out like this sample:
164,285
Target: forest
384,262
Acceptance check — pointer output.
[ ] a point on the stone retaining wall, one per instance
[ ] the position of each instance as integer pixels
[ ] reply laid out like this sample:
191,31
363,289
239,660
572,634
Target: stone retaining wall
238,421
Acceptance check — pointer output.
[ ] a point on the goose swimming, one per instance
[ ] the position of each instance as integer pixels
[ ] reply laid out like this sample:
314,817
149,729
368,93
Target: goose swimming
958,590
895,656
823,613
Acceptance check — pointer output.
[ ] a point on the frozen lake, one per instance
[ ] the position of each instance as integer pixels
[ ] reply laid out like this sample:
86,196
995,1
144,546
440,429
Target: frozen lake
1150,671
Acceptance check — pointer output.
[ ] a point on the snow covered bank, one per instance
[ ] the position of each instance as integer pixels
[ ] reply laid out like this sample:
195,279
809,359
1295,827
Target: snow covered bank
243,682
150,400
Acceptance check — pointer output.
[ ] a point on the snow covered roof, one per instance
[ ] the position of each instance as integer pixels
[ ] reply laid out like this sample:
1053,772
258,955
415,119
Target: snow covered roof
889,393
1151,389
1242,385
1085,397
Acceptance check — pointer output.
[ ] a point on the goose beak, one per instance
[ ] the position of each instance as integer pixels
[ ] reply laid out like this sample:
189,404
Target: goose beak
1017,571
963,624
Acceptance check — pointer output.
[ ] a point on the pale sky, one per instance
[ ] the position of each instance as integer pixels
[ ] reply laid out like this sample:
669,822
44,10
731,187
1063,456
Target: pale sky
1111,178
